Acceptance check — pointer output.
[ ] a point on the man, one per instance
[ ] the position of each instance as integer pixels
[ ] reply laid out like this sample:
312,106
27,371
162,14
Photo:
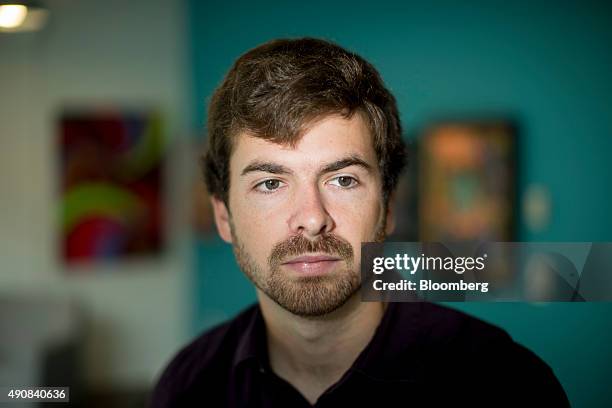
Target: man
304,154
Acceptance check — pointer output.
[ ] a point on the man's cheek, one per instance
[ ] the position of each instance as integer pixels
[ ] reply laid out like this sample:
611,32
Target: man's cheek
257,237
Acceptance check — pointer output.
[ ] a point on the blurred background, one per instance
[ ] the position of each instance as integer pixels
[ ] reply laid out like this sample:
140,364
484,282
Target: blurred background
109,261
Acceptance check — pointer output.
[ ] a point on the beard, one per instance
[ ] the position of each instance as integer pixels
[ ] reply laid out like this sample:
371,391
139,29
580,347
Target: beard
306,296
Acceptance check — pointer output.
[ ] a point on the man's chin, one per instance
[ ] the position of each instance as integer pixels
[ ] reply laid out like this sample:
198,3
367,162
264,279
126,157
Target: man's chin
313,296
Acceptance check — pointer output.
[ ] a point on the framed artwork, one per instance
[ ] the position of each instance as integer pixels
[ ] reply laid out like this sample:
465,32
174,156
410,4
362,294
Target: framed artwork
111,184
467,181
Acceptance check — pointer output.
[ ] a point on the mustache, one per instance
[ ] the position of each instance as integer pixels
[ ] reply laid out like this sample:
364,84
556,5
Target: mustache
298,245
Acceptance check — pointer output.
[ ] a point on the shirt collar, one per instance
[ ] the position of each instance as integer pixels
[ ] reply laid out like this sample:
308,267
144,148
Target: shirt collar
252,342
391,355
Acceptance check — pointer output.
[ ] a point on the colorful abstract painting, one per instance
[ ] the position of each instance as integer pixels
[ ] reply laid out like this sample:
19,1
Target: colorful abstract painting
467,187
467,183
111,185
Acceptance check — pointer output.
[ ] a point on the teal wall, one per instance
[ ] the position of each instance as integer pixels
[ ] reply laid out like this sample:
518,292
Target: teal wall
548,64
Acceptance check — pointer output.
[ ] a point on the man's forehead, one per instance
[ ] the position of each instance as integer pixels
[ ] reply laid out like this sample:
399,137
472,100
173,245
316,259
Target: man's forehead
329,139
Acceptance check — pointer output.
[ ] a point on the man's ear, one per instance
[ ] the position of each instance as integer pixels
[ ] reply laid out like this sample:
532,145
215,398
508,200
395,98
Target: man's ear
390,224
222,219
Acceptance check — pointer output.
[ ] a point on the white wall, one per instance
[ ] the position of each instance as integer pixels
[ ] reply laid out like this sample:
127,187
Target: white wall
130,53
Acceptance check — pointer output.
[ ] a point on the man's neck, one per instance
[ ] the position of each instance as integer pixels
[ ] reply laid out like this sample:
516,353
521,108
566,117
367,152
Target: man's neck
314,353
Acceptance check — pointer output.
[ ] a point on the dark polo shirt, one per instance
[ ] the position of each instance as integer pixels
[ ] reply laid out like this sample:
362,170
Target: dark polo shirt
422,354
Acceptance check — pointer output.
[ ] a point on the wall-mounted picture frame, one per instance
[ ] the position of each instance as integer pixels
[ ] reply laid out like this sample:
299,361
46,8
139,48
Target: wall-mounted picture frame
467,180
111,181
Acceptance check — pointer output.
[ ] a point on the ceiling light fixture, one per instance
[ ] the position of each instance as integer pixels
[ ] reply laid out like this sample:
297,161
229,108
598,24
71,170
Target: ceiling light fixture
19,16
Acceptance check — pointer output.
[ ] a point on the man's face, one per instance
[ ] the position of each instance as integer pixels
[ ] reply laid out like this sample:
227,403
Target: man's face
298,215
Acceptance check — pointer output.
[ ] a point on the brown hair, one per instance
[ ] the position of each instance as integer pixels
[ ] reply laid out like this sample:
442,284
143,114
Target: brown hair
276,90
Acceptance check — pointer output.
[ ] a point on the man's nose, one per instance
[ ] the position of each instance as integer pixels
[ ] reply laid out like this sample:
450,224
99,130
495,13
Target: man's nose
309,214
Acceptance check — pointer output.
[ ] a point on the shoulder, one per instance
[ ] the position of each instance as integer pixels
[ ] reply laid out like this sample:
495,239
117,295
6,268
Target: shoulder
437,326
211,352
445,330
445,325
468,350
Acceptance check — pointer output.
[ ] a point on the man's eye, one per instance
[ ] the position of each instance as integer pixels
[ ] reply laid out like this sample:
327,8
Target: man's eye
268,185
344,181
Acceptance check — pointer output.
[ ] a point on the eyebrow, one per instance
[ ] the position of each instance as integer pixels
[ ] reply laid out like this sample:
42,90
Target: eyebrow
274,168
266,167
346,162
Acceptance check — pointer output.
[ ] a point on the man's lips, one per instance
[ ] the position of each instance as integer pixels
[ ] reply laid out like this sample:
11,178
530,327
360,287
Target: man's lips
311,259
312,265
